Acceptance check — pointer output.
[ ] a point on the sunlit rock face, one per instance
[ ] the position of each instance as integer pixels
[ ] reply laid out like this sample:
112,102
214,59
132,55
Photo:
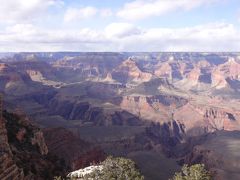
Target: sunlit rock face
129,71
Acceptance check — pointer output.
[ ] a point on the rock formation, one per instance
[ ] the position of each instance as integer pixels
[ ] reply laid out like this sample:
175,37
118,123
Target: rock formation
76,152
8,167
24,154
129,71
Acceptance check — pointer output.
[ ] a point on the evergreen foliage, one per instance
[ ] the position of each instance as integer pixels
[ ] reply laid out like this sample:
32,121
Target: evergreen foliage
116,169
194,172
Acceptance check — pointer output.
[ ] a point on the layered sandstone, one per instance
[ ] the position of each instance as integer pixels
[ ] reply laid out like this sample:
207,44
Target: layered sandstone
199,119
155,108
129,71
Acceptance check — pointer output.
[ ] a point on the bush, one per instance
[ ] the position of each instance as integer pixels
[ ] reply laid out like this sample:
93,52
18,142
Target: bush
116,169
194,172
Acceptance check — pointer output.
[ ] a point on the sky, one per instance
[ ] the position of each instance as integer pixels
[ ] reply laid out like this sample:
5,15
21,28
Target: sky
119,25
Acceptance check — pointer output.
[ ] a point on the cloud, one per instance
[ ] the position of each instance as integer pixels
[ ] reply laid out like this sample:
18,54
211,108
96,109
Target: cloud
76,14
27,37
28,33
12,11
122,37
141,9
208,37
79,14
121,30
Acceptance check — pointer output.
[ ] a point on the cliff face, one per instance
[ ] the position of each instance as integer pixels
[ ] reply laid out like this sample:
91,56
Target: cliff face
87,113
24,154
220,153
11,81
8,168
155,108
129,71
76,152
172,69
167,134
200,119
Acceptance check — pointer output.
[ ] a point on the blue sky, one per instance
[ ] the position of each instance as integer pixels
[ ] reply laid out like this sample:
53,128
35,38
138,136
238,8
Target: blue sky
225,10
120,25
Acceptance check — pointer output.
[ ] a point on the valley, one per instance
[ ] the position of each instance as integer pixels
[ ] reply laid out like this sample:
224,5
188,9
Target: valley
163,108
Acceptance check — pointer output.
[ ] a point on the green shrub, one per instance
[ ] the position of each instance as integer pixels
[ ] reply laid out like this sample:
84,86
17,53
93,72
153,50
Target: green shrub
194,172
116,169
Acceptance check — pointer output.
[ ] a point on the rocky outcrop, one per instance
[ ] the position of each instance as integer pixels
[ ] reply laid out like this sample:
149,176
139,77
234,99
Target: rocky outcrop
35,68
39,141
201,155
156,108
173,69
219,152
8,167
226,73
167,134
164,70
218,79
76,152
128,71
37,76
24,154
194,75
88,113
201,119
230,69
87,66
16,82
22,132
3,67
93,156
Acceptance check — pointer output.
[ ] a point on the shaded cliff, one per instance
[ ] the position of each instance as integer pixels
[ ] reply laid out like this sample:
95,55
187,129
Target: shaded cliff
24,153
76,152
8,167
220,153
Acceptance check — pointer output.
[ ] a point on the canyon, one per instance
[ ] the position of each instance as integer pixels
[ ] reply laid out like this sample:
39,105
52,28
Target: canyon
165,107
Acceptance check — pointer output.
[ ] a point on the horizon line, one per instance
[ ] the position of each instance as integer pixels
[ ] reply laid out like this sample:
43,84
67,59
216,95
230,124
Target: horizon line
1,52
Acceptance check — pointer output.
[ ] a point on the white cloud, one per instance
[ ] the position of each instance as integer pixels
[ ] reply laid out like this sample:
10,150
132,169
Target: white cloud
121,30
121,37
79,14
141,9
12,11
209,37
75,14
28,33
